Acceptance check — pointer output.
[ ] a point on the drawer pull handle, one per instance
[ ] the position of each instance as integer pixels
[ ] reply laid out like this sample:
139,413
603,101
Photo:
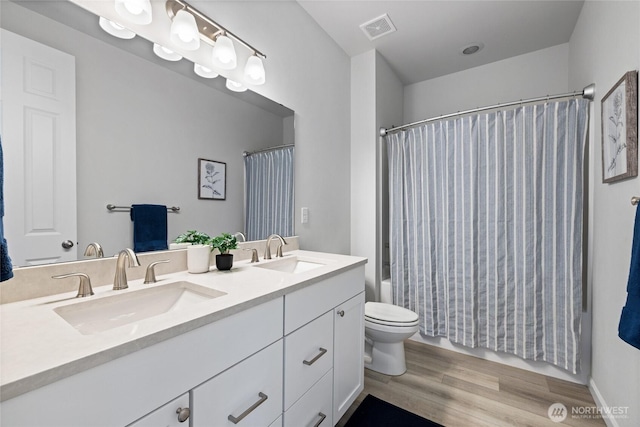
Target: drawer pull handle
183,414
318,356
322,417
341,313
249,410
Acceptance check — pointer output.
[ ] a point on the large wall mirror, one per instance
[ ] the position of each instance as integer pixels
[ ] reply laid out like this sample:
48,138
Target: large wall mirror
141,124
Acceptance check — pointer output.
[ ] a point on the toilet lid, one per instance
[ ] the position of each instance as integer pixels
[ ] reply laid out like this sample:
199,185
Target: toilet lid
389,313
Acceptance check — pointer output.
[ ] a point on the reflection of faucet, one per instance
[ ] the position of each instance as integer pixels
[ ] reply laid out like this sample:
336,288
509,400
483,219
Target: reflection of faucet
85,289
267,250
120,279
94,249
241,234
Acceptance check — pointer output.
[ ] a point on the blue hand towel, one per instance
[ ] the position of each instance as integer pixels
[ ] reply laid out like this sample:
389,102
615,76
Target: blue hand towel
629,327
6,269
149,227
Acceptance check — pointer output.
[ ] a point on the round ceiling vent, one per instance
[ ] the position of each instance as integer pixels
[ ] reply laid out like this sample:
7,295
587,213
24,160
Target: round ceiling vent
471,48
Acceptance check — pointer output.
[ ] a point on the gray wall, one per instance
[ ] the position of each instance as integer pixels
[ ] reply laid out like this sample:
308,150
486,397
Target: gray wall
141,129
606,44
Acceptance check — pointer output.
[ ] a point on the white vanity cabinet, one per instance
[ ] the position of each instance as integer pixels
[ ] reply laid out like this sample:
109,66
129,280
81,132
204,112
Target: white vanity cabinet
328,315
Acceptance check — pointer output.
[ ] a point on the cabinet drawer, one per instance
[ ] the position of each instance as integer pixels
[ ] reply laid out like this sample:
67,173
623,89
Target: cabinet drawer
250,392
166,415
308,356
304,305
314,409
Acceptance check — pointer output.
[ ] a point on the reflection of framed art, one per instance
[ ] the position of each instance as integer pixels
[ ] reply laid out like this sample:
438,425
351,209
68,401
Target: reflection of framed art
212,180
619,130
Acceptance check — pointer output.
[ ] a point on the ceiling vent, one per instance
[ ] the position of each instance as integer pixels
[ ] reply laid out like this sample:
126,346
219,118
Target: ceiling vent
378,27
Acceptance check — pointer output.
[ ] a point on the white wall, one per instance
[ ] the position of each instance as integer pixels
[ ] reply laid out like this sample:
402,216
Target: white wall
376,100
526,76
544,72
605,44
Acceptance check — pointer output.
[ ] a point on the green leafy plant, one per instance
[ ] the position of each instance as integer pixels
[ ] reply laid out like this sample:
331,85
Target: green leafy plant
194,237
224,243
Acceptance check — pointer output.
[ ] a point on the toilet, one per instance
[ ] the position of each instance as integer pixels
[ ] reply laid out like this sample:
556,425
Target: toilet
386,326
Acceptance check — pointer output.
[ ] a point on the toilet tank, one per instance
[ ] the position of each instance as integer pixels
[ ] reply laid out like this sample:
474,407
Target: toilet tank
385,291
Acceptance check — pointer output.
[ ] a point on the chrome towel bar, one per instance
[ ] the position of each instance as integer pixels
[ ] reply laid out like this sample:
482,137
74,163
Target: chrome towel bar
111,207
635,200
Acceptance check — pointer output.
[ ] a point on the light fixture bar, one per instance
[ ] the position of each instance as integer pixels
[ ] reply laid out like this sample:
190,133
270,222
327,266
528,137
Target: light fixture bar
208,28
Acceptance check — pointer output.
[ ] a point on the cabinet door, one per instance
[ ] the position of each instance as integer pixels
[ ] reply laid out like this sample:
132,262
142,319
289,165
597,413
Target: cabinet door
247,394
173,414
348,350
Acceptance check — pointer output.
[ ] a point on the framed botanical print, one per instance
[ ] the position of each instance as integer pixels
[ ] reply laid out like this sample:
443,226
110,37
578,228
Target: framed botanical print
212,180
620,130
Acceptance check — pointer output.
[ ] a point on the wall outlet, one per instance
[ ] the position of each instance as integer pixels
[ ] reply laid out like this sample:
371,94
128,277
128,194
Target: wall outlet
304,215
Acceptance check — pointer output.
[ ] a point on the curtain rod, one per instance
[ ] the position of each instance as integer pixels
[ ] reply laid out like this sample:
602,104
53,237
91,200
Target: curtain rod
587,93
247,153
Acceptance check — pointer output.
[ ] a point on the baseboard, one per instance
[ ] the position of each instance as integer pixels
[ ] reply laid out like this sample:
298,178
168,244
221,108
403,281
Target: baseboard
601,403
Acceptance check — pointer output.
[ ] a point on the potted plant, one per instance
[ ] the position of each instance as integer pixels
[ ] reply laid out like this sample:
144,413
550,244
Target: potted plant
198,250
224,243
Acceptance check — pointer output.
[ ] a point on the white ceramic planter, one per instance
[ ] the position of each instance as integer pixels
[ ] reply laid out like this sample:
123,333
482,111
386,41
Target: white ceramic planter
198,258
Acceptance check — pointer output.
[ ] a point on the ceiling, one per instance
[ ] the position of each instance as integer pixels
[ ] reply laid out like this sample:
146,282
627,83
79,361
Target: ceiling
431,34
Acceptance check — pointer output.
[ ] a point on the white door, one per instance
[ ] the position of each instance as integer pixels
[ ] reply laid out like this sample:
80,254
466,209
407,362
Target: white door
348,354
39,143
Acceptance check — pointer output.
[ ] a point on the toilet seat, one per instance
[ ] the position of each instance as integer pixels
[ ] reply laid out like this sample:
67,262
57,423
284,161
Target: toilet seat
389,315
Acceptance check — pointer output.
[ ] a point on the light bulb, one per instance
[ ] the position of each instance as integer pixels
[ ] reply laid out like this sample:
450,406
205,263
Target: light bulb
235,86
254,70
224,54
165,53
205,72
184,31
115,29
135,11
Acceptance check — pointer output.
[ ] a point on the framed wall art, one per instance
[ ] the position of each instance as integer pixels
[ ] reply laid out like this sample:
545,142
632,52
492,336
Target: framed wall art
212,180
620,130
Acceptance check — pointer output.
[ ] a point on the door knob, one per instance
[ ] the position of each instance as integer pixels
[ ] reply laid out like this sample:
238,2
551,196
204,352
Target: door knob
67,244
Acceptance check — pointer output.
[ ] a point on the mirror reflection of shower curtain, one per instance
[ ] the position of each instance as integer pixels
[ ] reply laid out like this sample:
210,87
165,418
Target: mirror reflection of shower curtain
269,193
486,228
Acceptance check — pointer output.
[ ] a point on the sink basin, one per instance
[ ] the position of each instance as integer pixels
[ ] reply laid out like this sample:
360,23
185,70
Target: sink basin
102,314
292,265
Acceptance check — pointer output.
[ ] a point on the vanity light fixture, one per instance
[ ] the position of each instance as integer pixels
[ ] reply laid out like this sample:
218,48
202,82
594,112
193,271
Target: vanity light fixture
205,72
254,70
166,53
224,52
235,86
115,29
184,31
135,11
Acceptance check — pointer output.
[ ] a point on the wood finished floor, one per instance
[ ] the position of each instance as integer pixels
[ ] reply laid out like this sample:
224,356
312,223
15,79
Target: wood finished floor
458,390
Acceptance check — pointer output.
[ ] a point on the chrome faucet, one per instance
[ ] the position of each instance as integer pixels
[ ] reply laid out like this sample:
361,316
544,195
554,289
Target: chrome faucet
241,235
94,249
120,279
267,250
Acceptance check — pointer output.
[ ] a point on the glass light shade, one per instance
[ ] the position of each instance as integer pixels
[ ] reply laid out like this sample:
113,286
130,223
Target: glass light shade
224,54
235,86
184,31
165,53
135,11
205,72
115,29
254,70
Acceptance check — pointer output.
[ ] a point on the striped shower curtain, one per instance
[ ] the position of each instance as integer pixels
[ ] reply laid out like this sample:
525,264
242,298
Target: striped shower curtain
269,193
486,229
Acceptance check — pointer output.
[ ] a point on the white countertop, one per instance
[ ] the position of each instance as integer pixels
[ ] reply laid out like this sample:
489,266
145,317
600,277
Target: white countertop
38,347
